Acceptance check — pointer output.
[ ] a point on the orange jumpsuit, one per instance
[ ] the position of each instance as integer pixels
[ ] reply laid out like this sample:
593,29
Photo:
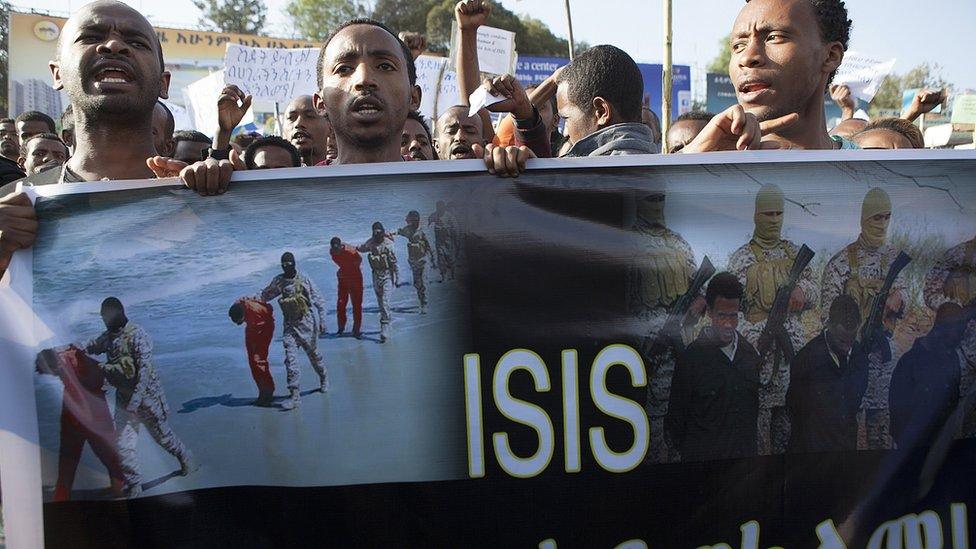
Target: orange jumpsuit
259,318
84,418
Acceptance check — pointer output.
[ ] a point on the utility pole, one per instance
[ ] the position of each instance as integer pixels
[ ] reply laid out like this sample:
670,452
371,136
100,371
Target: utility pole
667,79
569,22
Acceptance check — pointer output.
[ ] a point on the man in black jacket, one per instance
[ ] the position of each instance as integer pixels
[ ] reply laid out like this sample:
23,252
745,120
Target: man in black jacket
827,384
925,384
715,392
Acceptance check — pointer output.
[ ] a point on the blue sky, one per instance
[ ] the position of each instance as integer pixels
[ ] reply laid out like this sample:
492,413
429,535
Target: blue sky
939,31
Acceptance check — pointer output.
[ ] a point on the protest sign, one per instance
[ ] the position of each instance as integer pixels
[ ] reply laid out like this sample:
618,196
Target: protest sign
430,69
201,97
496,49
272,74
863,74
964,109
529,405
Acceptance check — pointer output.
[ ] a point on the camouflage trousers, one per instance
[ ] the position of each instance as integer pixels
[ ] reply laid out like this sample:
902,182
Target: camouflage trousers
383,287
302,334
444,246
773,430
417,268
127,436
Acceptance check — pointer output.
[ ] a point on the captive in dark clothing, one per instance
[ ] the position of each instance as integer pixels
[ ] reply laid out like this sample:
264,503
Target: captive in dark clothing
714,401
924,391
826,388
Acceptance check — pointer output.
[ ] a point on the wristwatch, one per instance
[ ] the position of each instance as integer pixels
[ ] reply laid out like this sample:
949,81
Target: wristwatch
218,154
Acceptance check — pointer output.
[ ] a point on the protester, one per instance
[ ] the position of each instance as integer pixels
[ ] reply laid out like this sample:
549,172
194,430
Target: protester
113,78
457,134
841,94
163,126
890,133
308,128
827,384
924,387
714,393
42,152
9,153
416,42
271,152
243,140
925,100
505,132
784,55
32,123
847,128
417,141
686,128
68,127
469,16
649,118
190,146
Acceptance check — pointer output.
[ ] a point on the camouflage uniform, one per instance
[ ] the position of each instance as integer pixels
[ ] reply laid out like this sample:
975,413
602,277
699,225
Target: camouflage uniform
445,238
299,331
662,269
953,279
418,249
859,271
383,262
139,397
761,271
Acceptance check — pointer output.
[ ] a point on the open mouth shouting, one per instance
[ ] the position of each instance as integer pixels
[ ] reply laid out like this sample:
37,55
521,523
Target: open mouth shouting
754,90
112,75
460,151
367,108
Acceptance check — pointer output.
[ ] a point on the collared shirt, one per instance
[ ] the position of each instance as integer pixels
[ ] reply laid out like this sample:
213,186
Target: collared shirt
833,355
730,349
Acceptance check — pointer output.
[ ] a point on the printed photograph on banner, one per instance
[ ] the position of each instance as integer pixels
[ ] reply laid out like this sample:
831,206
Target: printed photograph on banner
734,285
286,333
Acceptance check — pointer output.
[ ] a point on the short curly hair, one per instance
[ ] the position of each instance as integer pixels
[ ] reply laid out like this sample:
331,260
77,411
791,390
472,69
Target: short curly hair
898,125
833,22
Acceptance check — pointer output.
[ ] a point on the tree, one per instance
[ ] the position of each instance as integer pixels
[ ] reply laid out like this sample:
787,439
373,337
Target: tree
721,62
532,37
404,16
238,16
890,92
315,19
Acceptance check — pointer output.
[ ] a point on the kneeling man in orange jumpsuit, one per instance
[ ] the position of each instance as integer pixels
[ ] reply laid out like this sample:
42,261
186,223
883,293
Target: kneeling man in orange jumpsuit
259,317
84,416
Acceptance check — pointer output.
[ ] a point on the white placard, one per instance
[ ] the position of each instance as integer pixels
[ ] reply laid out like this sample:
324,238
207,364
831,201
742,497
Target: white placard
201,97
271,74
496,50
430,69
863,74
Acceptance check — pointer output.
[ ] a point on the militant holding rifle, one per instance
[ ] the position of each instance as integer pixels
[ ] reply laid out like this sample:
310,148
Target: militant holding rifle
774,335
872,331
669,336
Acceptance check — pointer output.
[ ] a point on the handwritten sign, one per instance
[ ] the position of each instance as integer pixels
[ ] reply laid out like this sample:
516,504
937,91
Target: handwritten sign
201,96
964,109
429,72
863,74
271,74
496,50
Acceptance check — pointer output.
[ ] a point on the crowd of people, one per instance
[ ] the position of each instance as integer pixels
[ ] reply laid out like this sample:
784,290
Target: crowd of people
784,54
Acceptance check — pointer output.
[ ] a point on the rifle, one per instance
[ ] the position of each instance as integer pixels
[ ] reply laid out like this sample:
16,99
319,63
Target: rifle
670,333
872,331
774,334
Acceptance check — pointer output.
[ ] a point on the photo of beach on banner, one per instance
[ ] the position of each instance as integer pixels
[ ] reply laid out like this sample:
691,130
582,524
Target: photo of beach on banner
299,337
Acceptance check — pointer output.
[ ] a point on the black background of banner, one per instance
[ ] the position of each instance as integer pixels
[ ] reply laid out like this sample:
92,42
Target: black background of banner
675,505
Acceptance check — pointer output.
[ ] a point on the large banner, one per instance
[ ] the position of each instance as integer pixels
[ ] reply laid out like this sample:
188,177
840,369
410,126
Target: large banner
727,350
